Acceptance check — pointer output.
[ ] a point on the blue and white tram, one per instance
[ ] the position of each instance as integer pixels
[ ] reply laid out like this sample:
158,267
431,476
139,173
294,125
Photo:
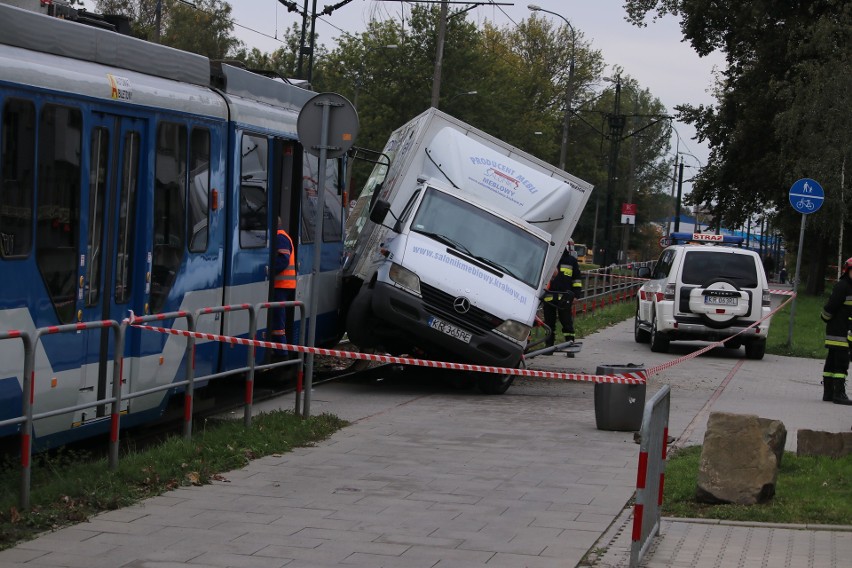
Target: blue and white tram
138,177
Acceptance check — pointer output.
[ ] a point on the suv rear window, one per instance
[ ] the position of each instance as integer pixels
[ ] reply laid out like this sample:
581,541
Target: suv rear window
702,267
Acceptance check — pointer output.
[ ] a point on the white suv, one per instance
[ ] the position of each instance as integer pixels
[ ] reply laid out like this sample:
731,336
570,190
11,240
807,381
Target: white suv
708,292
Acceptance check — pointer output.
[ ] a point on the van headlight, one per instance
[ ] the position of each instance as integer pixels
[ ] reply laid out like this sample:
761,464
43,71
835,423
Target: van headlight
514,330
404,278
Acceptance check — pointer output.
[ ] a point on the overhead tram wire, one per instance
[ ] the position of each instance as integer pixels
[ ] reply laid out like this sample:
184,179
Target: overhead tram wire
258,32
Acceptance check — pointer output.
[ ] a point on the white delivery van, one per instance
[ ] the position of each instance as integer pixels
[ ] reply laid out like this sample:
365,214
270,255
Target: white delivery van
451,244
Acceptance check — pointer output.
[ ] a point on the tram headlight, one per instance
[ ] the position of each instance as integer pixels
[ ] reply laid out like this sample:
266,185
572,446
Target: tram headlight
404,278
514,330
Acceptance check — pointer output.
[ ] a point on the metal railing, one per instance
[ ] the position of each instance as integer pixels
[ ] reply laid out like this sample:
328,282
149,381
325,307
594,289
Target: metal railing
30,341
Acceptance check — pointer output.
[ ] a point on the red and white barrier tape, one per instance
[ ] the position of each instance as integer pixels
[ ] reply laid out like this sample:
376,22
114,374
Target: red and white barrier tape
782,293
621,276
634,378
668,364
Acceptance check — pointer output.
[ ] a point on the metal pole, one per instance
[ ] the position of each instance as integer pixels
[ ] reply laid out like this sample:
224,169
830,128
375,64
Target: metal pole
158,20
679,192
566,121
302,42
439,55
616,124
313,42
189,393
796,281
631,182
315,271
28,388
252,361
115,418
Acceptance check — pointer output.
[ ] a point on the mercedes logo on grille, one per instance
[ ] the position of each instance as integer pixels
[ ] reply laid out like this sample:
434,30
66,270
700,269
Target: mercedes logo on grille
461,305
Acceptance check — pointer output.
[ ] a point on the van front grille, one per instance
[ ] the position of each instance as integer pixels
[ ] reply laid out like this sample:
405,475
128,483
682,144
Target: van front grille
440,304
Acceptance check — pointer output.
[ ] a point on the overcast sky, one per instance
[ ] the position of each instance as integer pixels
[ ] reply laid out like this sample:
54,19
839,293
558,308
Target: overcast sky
653,55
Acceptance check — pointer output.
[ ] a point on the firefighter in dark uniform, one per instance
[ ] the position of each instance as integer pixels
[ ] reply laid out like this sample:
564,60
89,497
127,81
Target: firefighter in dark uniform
565,286
284,286
837,315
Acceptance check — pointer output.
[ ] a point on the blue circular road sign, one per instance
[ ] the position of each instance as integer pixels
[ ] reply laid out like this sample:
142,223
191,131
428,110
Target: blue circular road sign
806,196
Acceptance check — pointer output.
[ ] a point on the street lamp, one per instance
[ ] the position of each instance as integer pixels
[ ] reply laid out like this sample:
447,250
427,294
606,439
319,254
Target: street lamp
457,95
563,151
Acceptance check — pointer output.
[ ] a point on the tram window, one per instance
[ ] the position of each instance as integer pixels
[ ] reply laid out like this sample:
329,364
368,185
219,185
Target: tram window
57,233
332,224
199,187
169,210
253,192
126,215
17,165
98,169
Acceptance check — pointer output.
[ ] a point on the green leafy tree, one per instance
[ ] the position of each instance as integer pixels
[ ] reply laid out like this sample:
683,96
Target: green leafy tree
520,78
205,28
781,110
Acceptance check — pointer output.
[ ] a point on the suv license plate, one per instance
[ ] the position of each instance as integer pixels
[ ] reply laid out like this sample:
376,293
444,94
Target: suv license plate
720,300
450,329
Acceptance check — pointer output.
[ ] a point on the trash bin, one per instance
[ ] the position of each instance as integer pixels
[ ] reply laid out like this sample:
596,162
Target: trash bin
619,407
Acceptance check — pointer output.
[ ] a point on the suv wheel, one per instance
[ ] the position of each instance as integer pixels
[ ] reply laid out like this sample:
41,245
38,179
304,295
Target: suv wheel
640,335
755,349
659,341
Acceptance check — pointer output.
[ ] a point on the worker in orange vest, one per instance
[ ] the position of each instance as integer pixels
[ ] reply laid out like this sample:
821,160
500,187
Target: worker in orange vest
284,285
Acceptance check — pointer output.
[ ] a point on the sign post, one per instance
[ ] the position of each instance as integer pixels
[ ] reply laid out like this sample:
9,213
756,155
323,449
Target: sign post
327,127
806,197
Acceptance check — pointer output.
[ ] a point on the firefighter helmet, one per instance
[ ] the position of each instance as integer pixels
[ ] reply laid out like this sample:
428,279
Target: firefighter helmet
569,248
847,265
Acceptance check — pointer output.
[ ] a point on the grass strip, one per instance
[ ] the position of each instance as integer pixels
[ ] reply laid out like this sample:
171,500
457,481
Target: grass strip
809,490
68,488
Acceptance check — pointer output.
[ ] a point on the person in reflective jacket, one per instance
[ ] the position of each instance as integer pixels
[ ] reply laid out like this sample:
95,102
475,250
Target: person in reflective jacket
284,290
837,315
565,286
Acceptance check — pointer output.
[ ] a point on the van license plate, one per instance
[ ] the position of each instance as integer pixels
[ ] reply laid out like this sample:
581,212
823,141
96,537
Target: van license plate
720,300
450,329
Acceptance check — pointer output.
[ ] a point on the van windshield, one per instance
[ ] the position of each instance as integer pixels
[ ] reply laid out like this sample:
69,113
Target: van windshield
481,235
702,267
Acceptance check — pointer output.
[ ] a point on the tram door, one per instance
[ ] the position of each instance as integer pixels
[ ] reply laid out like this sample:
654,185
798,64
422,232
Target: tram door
110,274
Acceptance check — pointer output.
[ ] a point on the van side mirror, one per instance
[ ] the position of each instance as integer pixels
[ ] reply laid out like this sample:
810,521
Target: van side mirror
379,211
643,272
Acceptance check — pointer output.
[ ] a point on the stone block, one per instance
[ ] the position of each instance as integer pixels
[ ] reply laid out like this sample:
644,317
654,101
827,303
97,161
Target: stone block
832,444
740,459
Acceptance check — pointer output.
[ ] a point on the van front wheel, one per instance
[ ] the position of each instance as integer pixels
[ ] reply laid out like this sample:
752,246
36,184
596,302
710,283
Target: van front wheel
492,383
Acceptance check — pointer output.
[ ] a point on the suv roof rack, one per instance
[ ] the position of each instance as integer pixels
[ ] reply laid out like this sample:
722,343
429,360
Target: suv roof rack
705,238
